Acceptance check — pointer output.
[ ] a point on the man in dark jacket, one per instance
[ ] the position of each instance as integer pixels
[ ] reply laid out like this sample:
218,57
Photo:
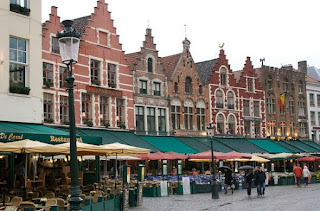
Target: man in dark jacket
259,178
248,178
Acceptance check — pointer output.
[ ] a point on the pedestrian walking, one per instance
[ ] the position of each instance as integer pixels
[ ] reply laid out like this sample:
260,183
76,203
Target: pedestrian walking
297,170
228,180
259,179
306,175
248,176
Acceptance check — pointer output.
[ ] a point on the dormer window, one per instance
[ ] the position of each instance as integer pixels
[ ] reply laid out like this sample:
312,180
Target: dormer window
223,76
150,67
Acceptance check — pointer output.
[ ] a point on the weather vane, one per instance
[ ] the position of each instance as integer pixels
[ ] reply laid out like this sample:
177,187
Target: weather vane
185,30
148,24
221,45
262,60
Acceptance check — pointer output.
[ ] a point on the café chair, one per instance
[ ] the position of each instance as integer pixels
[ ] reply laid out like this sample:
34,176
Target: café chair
7,199
49,195
11,208
15,201
42,190
61,203
28,204
51,202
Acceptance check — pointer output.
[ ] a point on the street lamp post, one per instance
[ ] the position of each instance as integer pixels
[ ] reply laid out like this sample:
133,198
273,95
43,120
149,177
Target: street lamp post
215,193
69,40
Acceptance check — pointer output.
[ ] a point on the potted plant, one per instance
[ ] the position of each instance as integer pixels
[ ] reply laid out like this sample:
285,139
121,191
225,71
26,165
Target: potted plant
50,120
19,90
113,85
19,9
89,123
48,84
66,122
107,124
122,126
96,82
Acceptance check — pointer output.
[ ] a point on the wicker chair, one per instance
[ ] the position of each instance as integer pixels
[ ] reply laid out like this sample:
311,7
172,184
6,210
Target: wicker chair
61,203
49,195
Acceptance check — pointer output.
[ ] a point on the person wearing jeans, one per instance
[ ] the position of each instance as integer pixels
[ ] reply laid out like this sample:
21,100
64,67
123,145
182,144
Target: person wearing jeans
297,170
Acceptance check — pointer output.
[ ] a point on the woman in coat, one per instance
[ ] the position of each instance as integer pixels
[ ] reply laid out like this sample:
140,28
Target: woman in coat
228,180
248,176
306,175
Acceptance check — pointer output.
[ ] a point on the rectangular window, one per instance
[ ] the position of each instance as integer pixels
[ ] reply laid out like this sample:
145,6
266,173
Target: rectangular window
64,109
257,129
269,84
175,117
55,45
318,100
112,73
291,107
256,106
223,78
86,108
22,3
302,129
246,108
188,118
200,119
291,128
63,77
313,117
162,119
301,108
151,119
283,128
139,118
104,110
143,87
120,112
271,128
250,84
95,72
282,111
311,99
156,89
247,128
318,118
47,74
48,107
270,105
18,62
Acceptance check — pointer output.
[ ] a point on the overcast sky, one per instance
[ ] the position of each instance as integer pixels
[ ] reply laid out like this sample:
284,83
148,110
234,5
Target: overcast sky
281,31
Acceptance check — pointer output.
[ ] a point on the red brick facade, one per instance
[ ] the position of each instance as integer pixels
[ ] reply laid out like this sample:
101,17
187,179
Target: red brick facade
236,98
104,85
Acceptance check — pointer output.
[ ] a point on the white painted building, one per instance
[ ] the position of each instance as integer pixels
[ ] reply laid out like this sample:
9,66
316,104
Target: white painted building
20,61
313,105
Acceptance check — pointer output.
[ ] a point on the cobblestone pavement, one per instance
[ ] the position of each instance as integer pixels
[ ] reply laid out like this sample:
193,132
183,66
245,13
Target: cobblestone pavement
276,198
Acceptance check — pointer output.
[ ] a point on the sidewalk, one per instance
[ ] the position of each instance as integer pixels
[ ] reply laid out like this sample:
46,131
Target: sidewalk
276,198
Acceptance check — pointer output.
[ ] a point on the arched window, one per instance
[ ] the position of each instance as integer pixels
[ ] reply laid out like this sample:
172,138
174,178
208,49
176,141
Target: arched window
150,67
220,124
175,87
223,76
269,83
231,125
200,90
219,99
285,85
188,87
230,100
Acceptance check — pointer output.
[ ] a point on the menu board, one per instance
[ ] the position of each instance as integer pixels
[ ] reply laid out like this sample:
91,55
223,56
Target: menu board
164,188
126,198
186,185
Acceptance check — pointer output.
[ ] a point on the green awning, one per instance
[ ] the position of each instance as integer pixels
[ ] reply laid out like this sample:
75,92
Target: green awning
312,144
10,131
302,146
134,140
169,144
291,148
241,145
194,143
268,145
216,145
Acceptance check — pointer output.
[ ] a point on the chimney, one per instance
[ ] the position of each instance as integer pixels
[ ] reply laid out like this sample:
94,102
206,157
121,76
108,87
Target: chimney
302,66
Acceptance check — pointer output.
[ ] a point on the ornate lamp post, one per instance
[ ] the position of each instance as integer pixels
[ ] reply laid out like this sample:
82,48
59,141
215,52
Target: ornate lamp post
215,193
69,40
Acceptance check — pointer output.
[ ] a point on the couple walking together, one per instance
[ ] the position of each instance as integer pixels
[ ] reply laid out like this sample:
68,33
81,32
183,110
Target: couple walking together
298,173
259,178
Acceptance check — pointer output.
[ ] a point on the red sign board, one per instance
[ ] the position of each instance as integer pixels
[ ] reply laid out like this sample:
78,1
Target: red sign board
104,91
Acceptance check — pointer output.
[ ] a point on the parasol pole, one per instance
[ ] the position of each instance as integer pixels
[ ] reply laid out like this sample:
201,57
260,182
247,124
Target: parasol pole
26,172
284,165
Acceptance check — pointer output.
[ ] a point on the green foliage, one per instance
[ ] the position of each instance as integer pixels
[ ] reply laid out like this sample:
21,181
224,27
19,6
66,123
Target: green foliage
48,120
19,9
20,90
107,124
89,123
122,126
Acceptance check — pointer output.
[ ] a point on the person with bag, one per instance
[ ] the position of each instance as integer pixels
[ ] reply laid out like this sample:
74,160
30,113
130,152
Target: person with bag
248,176
259,178
306,175
297,170
228,181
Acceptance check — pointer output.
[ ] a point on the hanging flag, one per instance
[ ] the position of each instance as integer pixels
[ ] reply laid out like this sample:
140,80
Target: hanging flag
281,100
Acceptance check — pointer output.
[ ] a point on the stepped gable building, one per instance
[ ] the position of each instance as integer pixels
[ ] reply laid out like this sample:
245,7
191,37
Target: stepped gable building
286,101
187,94
149,89
103,92
236,98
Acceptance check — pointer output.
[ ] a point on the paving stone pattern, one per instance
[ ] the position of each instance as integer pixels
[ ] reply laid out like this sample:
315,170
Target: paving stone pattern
276,198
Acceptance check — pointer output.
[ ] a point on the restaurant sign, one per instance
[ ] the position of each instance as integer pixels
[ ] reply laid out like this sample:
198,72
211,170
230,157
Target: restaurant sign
104,91
46,138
